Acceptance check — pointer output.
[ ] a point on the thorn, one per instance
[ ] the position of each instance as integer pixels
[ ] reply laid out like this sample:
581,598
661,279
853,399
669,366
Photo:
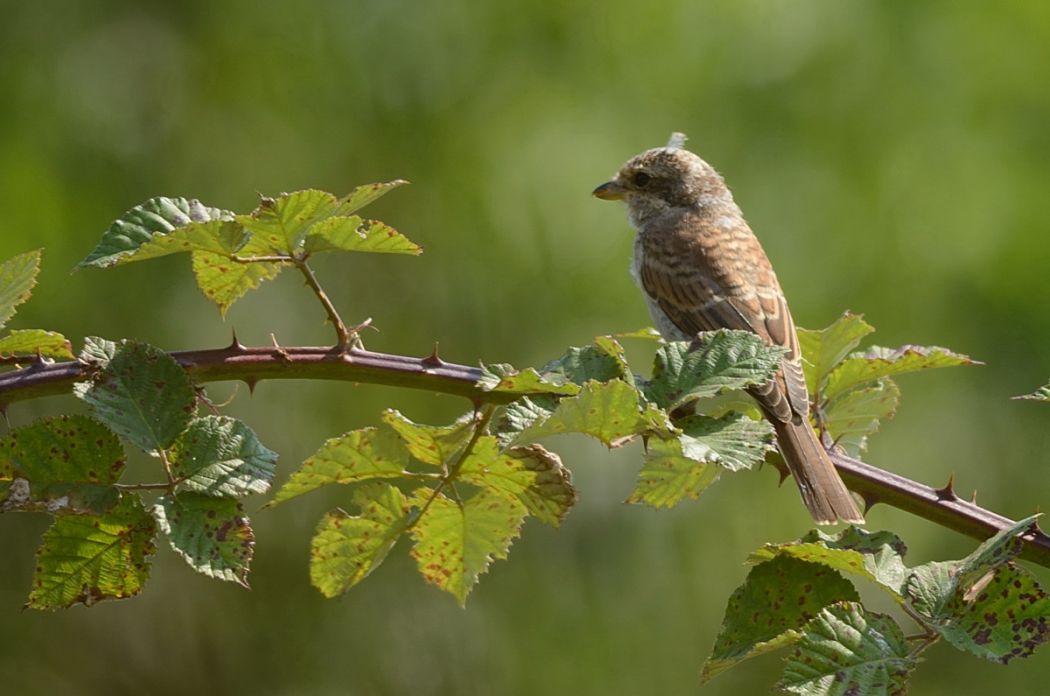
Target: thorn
281,352
251,382
3,412
433,360
869,502
973,498
948,492
235,345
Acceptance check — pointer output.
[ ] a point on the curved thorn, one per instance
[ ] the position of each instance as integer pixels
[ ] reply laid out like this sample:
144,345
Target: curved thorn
251,382
235,345
433,360
948,491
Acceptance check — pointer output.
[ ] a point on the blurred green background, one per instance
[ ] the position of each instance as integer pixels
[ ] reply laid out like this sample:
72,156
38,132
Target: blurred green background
894,158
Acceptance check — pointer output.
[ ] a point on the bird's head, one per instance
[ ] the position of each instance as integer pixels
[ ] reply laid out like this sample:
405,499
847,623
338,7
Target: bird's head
664,178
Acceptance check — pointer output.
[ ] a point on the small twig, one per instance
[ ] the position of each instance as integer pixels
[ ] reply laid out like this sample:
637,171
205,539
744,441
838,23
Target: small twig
346,339
278,258
163,455
142,486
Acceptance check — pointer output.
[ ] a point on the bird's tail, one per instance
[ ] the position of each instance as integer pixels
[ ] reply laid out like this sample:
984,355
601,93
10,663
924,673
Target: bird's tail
822,489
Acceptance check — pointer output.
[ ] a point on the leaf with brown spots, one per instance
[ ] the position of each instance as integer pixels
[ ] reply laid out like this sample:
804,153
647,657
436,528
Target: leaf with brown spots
347,548
211,534
143,394
874,556
531,474
224,281
503,378
771,608
278,225
360,455
342,233
430,444
88,558
1040,394
848,651
366,194
456,541
61,465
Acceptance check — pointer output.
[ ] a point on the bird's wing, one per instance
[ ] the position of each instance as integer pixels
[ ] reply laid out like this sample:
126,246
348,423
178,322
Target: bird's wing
704,284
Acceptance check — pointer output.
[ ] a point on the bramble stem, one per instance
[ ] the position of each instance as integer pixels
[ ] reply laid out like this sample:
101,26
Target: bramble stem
346,338
252,365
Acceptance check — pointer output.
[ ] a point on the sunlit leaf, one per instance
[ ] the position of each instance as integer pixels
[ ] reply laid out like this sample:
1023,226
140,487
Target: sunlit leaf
366,194
522,413
714,362
140,224
430,444
854,415
221,456
143,394
455,542
224,281
88,558
771,609
218,236
874,556
503,378
606,411
17,278
822,350
876,362
347,548
33,342
602,360
97,352
351,233
211,534
847,651
531,474
359,455
668,476
279,225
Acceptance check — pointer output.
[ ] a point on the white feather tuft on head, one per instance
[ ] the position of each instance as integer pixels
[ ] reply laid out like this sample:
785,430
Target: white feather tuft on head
677,141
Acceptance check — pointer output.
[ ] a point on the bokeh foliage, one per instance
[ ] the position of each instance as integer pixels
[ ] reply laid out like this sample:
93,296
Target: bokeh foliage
892,157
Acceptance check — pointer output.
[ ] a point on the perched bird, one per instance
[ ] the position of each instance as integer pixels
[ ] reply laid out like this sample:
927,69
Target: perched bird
701,268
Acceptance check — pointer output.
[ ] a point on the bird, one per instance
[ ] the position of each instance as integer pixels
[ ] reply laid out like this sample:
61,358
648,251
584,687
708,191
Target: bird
701,268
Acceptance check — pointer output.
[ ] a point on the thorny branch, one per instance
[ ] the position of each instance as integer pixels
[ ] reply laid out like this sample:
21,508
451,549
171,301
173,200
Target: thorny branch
253,364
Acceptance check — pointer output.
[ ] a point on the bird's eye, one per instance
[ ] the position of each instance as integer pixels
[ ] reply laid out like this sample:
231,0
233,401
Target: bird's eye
641,179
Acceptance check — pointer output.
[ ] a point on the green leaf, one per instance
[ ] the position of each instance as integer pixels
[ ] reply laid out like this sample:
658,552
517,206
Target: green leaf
140,224
531,474
97,352
715,362
874,556
1040,394
646,334
500,377
669,476
224,281
221,456
280,224
217,236
32,342
430,444
734,442
347,548
366,194
822,350
61,465
854,415
360,455
143,394
771,608
602,360
520,414
17,278
455,542
342,233
1005,615
87,558
862,368
211,534
607,411
847,651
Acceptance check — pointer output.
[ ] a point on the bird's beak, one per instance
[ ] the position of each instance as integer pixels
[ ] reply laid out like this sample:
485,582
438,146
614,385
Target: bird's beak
609,191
